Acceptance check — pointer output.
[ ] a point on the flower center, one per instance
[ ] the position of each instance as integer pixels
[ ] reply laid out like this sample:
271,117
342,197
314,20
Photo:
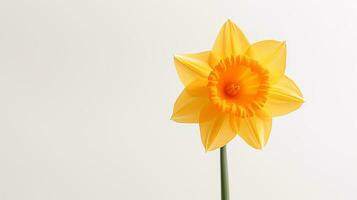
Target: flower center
238,85
232,89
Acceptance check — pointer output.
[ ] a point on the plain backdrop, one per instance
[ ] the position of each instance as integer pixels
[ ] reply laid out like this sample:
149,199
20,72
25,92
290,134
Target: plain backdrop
87,89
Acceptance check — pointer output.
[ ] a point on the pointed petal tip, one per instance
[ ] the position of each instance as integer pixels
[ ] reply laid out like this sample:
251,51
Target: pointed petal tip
172,117
284,43
178,120
175,119
281,42
179,57
176,59
259,148
176,56
208,149
299,99
211,147
229,22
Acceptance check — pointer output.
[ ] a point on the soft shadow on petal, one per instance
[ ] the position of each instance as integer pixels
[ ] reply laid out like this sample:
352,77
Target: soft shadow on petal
284,97
255,130
191,67
235,122
189,104
230,42
209,112
216,130
271,55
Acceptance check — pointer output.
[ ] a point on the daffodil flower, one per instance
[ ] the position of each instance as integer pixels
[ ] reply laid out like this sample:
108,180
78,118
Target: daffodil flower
236,88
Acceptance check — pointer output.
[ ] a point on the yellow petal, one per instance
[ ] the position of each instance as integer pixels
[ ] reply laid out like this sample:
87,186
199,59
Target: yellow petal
235,122
198,88
217,131
208,112
191,67
230,42
284,97
271,55
255,130
189,104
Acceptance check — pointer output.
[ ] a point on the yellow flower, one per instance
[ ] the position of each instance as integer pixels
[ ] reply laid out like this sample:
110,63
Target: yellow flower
236,88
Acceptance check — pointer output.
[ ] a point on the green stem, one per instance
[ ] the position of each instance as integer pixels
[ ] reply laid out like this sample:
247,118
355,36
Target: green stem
224,174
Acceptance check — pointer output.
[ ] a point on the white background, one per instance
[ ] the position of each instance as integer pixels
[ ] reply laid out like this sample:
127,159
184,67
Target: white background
87,89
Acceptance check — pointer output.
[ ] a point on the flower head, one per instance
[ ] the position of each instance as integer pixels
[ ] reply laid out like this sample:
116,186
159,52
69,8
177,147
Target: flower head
236,88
